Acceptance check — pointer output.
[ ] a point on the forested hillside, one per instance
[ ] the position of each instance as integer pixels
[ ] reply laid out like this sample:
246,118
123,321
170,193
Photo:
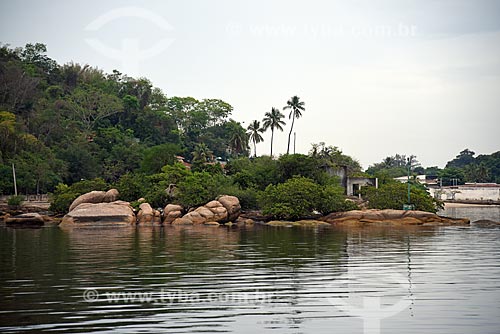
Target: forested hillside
69,129
65,123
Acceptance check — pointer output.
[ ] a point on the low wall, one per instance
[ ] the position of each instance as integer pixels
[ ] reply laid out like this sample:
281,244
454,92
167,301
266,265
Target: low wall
28,198
467,193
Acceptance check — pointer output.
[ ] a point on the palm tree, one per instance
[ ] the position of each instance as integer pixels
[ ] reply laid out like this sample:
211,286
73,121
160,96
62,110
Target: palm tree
273,120
296,107
238,139
254,135
202,154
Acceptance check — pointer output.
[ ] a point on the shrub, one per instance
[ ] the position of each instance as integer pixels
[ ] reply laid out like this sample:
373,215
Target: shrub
158,156
15,200
255,173
132,186
157,195
394,195
196,189
290,165
300,197
64,195
334,200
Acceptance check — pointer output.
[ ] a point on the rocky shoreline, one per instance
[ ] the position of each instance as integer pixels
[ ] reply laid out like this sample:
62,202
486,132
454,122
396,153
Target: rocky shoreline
103,209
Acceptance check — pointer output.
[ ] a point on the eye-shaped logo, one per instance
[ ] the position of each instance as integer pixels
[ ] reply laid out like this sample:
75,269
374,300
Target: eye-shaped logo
130,54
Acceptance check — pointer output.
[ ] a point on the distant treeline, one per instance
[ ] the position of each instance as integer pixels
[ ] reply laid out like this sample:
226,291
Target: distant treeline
464,168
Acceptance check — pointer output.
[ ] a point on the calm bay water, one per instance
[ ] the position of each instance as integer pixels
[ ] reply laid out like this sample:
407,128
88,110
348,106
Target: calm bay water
473,212
265,280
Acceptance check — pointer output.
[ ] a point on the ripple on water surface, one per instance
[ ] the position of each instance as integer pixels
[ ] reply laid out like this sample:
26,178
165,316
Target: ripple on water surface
276,280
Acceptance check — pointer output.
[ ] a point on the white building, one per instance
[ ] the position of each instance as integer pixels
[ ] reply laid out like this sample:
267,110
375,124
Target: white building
469,192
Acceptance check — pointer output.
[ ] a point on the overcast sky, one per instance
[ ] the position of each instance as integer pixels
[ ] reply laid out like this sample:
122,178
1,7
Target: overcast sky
378,77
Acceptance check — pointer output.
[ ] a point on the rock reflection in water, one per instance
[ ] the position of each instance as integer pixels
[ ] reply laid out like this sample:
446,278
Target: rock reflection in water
300,272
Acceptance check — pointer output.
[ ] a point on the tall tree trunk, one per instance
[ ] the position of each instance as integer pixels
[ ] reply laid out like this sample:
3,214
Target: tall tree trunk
290,134
255,148
272,137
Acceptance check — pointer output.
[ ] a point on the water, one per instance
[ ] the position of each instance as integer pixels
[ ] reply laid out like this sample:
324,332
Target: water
473,212
264,280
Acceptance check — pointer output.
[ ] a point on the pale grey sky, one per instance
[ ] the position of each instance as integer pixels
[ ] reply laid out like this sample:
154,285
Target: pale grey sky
378,77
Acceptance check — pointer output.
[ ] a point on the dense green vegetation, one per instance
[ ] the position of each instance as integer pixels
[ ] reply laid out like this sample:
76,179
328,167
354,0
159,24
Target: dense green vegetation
300,197
72,128
483,168
72,122
393,195
259,182
69,129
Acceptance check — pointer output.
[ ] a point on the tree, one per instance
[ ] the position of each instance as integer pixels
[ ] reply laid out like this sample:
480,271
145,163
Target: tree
90,105
432,171
8,135
464,158
158,156
238,139
34,54
196,189
180,109
255,173
300,197
476,173
37,172
17,88
393,195
296,107
394,166
492,164
201,155
217,110
254,131
332,156
291,165
273,121
451,176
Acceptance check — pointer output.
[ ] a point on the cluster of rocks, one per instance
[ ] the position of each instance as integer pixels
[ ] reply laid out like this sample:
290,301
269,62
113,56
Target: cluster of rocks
102,208
222,210
394,217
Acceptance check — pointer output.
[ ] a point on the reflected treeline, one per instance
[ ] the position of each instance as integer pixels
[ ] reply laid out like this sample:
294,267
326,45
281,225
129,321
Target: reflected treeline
35,277
294,247
45,271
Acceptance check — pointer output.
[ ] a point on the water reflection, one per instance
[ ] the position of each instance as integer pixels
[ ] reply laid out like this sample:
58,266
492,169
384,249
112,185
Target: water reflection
297,272
473,212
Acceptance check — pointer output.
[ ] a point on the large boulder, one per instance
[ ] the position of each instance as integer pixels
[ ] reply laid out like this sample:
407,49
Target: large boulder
171,212
100,214
111,196
95,197
206,213
146,214
232,205
91,197
182,221
157,220
218,210
195,217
